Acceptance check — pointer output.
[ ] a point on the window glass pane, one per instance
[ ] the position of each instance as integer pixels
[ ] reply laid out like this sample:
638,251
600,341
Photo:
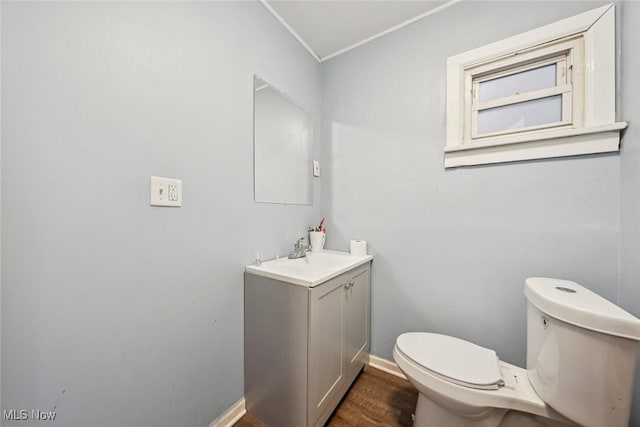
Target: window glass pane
525,81
523,114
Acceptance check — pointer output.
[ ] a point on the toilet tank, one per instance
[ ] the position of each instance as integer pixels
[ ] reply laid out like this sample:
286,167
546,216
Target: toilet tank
581,352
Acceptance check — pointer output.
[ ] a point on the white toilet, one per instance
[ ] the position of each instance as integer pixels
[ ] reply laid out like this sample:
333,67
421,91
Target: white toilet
581,356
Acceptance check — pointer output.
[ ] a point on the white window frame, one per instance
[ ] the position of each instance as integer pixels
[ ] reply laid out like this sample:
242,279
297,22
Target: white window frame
586,44
564,55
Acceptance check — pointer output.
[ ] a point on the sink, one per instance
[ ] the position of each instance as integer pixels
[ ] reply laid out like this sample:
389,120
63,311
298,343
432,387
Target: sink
315,268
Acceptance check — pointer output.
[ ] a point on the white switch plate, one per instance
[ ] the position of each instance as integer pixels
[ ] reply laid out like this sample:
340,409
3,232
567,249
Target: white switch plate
165,192
316,168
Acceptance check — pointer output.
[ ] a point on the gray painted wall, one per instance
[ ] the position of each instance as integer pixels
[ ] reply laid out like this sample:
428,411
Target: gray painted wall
115,312
118,313
629,289
453,248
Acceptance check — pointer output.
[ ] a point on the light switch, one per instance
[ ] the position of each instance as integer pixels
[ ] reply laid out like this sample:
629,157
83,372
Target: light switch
316,168
165,192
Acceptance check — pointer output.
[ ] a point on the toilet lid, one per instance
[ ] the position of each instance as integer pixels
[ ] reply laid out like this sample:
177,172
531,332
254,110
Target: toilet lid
452,359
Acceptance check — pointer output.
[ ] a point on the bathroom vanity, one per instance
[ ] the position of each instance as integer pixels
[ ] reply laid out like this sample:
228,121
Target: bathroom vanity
307,335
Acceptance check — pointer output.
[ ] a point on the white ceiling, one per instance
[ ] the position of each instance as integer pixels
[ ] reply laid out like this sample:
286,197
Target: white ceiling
330,27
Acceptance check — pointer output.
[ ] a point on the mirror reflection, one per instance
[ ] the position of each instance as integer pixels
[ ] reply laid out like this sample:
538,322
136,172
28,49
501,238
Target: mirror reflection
283,148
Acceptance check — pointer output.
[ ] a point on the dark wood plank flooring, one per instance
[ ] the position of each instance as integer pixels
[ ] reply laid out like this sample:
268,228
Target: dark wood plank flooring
375,399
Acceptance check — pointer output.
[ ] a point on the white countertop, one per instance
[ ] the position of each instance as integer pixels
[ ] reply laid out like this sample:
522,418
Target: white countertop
315,268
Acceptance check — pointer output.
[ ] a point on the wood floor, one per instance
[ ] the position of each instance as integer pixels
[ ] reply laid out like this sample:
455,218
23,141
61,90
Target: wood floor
375,399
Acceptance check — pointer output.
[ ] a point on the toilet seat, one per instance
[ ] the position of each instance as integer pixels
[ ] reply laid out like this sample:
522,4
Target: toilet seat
516,394
452,359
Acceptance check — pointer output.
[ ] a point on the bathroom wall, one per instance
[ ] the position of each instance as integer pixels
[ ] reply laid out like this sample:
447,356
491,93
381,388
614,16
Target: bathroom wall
454,247
115,313
629,290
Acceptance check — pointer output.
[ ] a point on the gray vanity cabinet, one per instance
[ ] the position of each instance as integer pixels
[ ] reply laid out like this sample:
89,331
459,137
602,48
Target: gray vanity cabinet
338,339
358,323
304,346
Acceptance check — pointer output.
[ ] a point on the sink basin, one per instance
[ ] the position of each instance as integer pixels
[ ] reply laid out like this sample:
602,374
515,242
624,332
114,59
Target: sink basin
315,268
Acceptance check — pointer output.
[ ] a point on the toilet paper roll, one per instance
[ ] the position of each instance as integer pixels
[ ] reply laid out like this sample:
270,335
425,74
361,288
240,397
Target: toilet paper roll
359,247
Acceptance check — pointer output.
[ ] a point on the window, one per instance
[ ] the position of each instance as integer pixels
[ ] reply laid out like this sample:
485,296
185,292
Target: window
529,91
549,92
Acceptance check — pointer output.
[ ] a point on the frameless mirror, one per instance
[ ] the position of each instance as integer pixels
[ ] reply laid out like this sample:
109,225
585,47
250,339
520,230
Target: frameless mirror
282,147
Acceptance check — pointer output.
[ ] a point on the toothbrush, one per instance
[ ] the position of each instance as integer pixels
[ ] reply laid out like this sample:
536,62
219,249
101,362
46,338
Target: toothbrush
320,226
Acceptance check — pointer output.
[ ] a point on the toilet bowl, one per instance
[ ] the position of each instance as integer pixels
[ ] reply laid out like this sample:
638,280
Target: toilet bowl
461,384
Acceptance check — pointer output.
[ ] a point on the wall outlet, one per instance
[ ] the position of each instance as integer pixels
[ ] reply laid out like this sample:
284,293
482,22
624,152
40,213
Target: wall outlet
165,192
173,192
316,168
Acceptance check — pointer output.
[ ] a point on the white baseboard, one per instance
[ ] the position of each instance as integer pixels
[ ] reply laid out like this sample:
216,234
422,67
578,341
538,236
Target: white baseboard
231,415
385,365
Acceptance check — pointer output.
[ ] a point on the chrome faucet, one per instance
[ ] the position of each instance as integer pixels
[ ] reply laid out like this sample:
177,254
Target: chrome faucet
299,249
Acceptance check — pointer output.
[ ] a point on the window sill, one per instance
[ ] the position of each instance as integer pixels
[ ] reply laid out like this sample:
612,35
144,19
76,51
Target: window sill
539,145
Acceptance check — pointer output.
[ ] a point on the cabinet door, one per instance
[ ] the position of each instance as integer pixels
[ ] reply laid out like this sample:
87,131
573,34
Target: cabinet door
357,322
327,367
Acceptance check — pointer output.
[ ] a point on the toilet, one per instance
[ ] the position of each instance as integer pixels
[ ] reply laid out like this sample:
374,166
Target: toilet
581,356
